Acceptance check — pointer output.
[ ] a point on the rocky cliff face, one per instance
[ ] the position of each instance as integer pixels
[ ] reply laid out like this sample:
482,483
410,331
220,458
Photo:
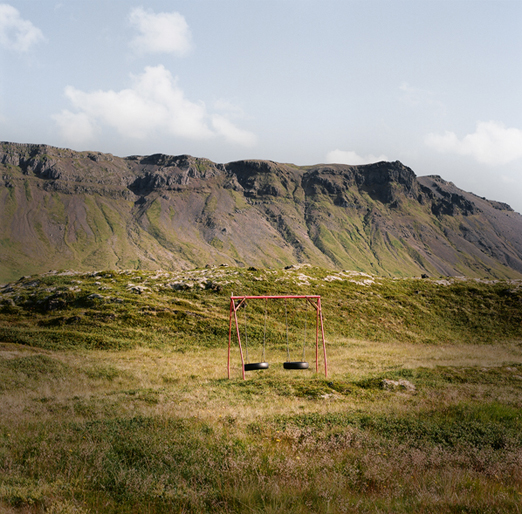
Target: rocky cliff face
88,210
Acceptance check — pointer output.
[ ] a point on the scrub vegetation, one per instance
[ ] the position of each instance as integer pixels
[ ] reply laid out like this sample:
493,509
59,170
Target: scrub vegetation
115,399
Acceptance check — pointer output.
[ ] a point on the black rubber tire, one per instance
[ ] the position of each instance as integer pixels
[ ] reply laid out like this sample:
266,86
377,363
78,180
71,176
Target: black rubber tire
256,365
295,365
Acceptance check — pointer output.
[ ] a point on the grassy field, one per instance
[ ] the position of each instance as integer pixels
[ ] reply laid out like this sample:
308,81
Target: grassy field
114,396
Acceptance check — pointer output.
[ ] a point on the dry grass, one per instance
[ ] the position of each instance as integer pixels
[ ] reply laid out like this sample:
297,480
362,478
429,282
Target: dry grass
191,384
360,358
149,430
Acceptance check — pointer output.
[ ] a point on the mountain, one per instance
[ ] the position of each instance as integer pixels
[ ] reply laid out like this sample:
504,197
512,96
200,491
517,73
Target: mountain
62,209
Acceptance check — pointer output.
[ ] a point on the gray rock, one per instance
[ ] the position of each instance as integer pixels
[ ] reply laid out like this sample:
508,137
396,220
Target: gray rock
398,385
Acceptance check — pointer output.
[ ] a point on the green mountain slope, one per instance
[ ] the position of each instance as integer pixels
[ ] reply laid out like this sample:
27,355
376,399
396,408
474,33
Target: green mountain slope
63,209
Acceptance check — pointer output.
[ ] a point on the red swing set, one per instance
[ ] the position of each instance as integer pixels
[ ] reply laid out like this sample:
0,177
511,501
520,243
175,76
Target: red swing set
314,300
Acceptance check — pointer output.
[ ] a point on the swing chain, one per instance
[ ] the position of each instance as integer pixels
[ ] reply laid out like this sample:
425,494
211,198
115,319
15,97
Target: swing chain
287,341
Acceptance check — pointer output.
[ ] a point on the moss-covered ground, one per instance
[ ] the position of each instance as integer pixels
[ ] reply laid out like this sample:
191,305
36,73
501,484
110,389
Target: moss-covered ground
115,398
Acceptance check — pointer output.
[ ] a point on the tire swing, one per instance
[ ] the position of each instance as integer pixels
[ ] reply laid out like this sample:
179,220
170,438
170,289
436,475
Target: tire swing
251,366
302,364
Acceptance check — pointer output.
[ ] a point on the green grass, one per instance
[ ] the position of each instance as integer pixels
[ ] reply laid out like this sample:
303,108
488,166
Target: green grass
211,204
217,243
121,404
62,310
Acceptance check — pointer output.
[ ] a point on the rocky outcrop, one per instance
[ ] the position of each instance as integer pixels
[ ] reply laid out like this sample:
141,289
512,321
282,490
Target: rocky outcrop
173,173
31,159
386,182
262,178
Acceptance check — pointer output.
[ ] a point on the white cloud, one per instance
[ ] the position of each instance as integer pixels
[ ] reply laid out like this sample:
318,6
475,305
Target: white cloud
349,157
226,128
15,32
154,104
76,127
160,33
491,143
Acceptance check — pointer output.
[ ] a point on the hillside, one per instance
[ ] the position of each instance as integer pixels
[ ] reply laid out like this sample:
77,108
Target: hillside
185,310
62,209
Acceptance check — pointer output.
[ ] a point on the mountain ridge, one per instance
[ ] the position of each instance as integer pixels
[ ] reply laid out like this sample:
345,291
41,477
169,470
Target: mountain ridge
90,210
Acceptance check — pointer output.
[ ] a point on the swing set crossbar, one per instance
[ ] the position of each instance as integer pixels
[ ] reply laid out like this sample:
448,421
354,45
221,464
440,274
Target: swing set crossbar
313,300
279,297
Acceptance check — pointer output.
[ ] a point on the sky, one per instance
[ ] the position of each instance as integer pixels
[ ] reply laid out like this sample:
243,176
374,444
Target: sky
435,84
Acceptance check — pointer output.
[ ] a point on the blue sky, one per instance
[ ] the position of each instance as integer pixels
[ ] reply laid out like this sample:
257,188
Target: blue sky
434,84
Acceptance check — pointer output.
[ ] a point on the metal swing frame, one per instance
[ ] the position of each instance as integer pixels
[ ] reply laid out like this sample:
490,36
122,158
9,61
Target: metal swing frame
313,300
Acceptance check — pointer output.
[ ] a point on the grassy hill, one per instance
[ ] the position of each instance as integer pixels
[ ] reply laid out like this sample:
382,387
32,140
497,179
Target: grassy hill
115,398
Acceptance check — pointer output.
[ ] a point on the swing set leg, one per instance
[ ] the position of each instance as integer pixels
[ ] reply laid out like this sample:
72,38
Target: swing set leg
319,321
